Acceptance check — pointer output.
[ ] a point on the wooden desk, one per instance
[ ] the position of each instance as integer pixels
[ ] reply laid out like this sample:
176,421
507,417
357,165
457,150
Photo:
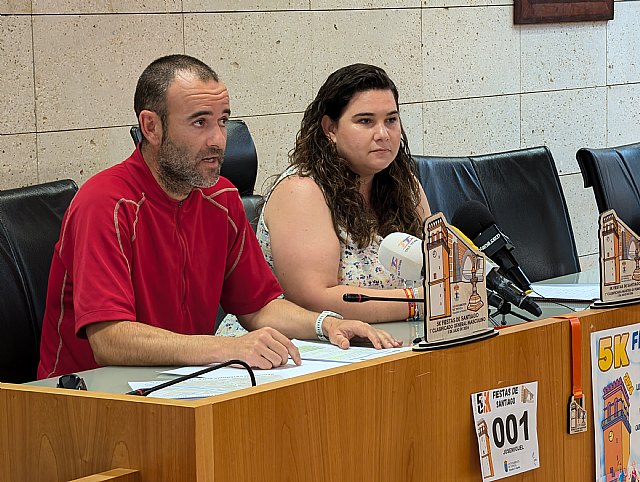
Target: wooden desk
406,417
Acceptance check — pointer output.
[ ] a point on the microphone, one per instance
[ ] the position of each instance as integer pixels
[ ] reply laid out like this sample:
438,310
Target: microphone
511,293
476,221
401,254
360,298
143,392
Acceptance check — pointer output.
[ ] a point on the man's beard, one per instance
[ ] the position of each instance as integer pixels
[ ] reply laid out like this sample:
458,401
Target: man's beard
178,171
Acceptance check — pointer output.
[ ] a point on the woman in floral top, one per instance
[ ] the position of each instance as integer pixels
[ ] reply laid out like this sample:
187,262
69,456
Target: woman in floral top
351,182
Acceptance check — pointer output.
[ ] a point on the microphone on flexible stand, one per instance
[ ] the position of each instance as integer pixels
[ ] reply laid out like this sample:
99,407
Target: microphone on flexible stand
143,392
511,293
360,298
502,307
477,223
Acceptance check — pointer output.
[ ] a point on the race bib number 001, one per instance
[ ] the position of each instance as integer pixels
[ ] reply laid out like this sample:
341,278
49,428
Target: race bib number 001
506,426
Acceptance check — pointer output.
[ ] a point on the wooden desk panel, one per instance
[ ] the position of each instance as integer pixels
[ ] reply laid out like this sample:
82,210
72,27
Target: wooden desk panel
406,417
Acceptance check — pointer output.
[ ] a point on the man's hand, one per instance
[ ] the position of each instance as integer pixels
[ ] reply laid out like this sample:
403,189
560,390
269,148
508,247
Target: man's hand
264,348
340,332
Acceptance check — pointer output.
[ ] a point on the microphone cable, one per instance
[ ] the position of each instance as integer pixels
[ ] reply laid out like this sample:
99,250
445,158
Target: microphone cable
555,302
143,392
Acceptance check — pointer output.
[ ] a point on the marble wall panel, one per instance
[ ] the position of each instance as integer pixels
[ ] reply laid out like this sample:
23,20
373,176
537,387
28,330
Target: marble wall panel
362,4
190,6
16,76
105,6
387,38
623,114
411,116
563,56
462,3
80,154
471,126
623,44
18,160
590,262
470,52
262,57
565,121
93,86
8,7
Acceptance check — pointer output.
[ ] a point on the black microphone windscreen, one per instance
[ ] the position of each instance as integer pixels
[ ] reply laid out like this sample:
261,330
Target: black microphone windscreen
472,218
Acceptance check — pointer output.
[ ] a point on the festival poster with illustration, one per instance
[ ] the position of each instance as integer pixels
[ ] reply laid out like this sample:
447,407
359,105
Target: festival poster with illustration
615,370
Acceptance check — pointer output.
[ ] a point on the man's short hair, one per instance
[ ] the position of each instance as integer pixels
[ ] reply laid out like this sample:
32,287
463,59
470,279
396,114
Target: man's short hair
151,91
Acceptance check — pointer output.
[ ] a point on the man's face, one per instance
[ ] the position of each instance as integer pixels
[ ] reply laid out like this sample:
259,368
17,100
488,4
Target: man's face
191,152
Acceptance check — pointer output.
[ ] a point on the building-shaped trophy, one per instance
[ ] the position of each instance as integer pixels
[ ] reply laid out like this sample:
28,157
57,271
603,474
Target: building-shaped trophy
619,262
456,308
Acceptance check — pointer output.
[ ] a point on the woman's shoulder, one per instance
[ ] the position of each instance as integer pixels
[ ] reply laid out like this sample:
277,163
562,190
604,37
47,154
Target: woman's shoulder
296,186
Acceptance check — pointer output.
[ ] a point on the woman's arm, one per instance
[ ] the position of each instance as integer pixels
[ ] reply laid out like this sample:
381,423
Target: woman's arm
306,255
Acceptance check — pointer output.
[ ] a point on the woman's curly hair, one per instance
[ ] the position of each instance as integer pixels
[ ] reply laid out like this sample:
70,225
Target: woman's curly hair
395,194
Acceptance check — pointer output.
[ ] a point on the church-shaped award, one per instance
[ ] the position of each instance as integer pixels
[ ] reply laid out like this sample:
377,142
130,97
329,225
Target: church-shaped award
455,290
619,262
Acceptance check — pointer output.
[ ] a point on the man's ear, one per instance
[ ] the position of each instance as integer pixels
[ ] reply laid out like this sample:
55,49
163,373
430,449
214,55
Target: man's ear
151,127
329,127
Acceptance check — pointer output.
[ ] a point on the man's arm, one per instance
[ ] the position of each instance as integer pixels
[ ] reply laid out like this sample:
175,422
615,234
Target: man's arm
132,343
296,322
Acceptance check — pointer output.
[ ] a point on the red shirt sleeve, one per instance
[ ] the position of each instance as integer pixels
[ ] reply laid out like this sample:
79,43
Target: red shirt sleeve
96,250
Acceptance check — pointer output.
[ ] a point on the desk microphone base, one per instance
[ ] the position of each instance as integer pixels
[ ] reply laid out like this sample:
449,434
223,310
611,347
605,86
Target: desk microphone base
437,345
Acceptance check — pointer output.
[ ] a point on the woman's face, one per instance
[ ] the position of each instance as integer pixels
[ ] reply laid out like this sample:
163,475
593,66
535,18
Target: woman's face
368,133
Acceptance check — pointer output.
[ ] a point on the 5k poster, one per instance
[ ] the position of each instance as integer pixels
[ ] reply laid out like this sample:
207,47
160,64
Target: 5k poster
615,370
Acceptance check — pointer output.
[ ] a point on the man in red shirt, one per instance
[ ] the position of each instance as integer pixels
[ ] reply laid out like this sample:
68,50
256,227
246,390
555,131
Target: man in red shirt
150,247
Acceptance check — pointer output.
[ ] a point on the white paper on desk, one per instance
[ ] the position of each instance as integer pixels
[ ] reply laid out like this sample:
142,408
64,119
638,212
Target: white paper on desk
324,352
203,387
571,292
289,370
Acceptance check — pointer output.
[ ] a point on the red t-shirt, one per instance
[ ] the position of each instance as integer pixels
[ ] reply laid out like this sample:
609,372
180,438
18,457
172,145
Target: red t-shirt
129,252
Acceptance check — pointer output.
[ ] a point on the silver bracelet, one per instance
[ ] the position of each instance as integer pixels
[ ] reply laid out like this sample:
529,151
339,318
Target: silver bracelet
418,303
320,320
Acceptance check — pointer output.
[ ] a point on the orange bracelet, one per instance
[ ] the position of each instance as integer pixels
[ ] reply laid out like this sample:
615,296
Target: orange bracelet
412,305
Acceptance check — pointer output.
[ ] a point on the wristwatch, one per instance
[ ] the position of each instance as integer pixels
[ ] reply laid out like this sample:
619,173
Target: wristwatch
320,320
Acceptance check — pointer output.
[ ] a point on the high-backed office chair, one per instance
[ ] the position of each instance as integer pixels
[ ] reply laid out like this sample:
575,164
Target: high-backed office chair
526,198
522,190
240,165
614,174
30,220
454,183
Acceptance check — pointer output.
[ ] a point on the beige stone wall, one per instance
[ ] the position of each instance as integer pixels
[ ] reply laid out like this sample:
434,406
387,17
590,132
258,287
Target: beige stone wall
470,81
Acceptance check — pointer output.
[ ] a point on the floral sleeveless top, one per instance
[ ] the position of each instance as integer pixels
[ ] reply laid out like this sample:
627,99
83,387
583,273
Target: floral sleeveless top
358,267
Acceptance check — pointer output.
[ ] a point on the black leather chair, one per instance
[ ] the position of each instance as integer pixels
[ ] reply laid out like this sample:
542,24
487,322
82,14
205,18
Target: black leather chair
522,190
240,165
455,182
30,220
614,174
526,198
